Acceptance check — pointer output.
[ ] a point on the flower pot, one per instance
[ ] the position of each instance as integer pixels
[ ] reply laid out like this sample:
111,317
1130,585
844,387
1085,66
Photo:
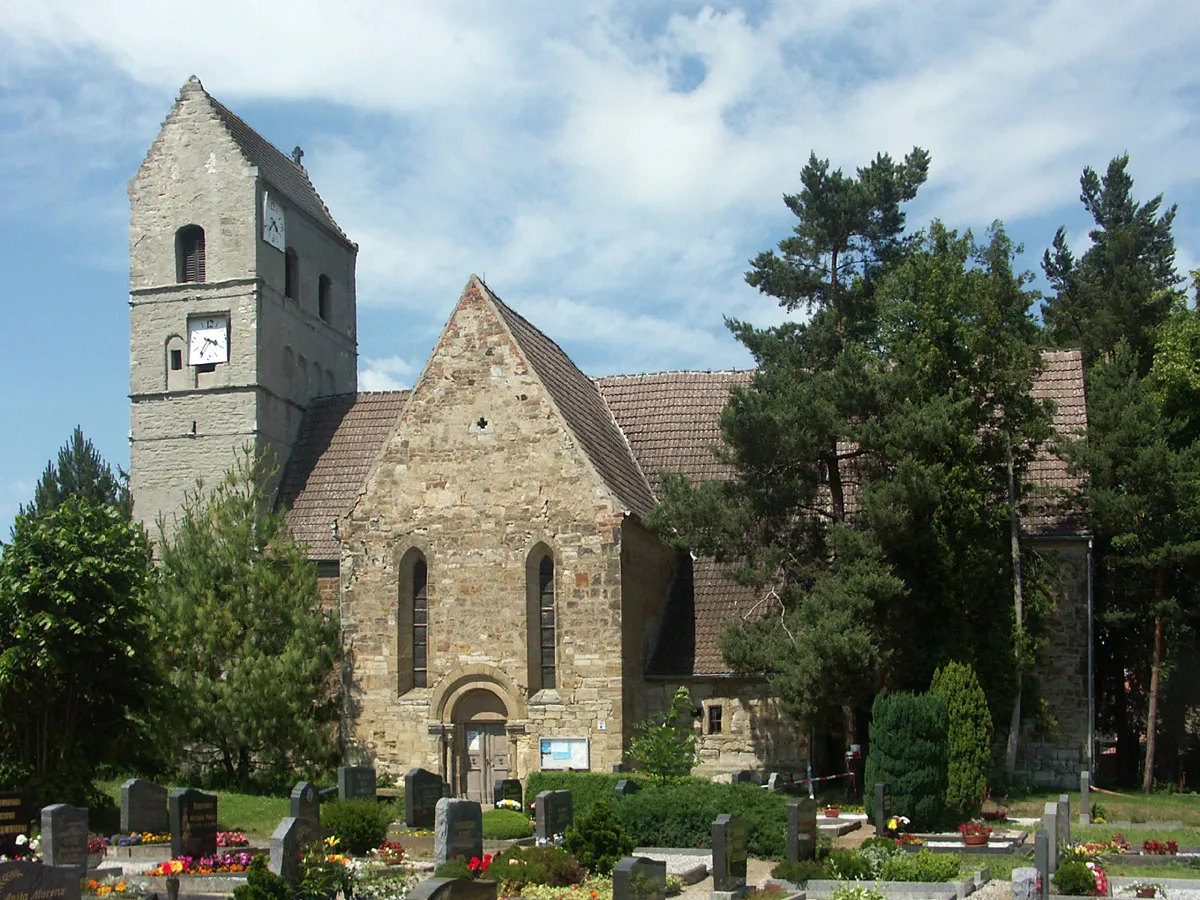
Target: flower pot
1147,892
832,812
975,840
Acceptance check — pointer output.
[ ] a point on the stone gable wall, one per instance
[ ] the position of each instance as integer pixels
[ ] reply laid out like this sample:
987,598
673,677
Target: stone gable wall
475,497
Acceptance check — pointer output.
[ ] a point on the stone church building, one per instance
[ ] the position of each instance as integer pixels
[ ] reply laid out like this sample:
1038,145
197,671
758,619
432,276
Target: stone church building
503,607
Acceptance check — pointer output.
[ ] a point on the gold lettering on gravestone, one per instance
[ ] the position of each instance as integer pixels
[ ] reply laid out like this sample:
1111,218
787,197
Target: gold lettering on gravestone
46,894
10,801
7,877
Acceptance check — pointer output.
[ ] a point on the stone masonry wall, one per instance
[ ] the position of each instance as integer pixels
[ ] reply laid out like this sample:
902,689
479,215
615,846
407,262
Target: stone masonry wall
479,472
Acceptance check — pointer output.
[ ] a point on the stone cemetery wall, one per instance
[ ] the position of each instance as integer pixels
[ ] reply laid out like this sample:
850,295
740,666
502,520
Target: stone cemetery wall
193,823
457,830
65,836
144,807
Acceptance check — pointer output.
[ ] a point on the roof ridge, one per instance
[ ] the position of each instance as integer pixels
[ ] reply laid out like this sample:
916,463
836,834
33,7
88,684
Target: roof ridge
675,372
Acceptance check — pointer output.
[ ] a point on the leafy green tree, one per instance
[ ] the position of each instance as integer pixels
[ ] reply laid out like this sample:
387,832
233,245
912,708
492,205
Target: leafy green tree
80,472
969,738
249,647
77,673
665,748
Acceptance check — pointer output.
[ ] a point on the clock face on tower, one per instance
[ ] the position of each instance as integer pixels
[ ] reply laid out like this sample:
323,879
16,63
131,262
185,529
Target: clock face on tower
208,339
273,227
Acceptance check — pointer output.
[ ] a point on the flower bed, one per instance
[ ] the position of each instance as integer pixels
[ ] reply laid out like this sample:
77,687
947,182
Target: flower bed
140,838
230,839
219,864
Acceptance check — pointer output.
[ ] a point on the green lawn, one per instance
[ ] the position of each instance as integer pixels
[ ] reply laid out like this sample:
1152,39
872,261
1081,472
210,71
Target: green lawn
256,816
1124,807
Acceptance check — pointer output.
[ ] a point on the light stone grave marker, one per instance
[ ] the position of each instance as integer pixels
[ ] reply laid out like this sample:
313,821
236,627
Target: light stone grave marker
1024,883
1050,824
457,830
1085,799
286,849
1064,819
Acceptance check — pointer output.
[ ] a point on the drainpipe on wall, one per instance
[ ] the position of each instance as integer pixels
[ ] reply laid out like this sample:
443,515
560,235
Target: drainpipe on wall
1091,667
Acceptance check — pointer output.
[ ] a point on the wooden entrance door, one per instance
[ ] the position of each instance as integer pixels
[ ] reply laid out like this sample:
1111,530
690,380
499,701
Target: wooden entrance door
486,758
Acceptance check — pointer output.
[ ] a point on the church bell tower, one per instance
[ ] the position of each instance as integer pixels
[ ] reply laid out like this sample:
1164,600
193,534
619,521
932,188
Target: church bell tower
241,302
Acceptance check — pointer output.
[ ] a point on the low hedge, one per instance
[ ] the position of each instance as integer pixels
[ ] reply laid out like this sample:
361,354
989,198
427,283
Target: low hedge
586,787
681,815
505,825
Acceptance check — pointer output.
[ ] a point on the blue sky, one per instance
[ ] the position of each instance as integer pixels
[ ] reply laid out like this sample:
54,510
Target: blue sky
608,167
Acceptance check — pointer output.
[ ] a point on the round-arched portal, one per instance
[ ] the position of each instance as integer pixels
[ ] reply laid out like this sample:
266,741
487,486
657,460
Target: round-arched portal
481,749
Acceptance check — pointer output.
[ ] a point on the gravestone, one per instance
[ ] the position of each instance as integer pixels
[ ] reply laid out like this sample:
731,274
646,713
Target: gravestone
802,829
453,889
16,818
554,813
1050,824
24,880
730,843
144,807
639,878
1085,798
1024,884
457,830
306,810
193,823
1064,819
744,776
65,836
422,791
779,781
507,789
883,792
356,783
286,849
627,786
618,768
1042,859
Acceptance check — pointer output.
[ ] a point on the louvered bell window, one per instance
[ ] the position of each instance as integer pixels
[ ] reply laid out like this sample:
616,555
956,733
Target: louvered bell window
420,612
189,254
546,614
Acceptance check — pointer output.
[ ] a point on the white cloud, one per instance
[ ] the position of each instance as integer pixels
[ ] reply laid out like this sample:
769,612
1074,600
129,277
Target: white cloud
389,374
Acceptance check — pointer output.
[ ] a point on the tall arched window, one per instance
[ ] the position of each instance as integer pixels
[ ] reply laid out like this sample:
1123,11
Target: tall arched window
539,598
420,611
412,622
189,254
324,301
291,274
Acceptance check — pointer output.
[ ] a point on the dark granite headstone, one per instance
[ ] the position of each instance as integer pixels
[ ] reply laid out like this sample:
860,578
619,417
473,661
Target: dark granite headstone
16,818
457,830
730,842
453,889
745,776
422,791
554,812
639,878
618,767
1085,798
507,789
883,793
1064,819
306,810
193,823
627,786
286,849
65,836
802,829
144,807
356,783
23,880
1041,859
1050,824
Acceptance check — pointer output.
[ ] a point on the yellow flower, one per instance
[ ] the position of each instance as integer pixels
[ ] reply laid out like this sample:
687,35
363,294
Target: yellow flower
331,841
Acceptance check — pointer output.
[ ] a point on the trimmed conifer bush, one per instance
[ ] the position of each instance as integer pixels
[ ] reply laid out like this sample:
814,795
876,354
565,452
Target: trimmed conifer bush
597,840
969,739
908,750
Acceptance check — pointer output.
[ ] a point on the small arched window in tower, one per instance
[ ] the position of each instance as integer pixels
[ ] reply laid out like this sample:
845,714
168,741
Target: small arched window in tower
546,619
323,298
420,612
189,254
291,275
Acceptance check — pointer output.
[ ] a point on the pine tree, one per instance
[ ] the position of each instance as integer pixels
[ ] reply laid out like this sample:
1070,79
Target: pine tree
80,472
250,649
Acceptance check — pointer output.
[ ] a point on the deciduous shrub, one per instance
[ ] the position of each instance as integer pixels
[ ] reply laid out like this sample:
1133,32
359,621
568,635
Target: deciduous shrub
847,865
552,866
681,814
1075,879
262,884
454,867
856,892
922,866
597,839
908,750
505,825
878,850
359,825
969,738
798,872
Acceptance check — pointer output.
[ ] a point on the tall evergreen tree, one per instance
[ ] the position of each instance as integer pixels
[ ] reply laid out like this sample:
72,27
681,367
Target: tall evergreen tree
80,472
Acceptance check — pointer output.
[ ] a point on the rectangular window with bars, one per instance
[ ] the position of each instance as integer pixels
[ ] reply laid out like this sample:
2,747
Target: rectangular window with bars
546,616
714,719
420,611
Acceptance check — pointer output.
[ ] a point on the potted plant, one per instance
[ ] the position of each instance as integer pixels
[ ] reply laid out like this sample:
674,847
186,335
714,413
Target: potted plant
975,833
832,811
1147,888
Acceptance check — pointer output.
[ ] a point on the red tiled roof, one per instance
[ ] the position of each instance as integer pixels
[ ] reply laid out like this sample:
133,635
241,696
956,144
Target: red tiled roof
335,449
1060,380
